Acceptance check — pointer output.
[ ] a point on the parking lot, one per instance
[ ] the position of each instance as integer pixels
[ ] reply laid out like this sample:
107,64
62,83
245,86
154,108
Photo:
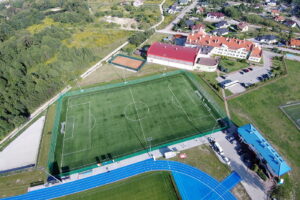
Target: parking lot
250,77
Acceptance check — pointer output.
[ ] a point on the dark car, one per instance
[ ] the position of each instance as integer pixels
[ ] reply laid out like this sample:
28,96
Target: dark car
265,76
250,68
241,72
246,70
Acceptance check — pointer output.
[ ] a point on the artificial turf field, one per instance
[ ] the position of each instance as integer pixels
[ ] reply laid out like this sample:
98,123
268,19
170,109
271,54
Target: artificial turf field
110,123
155,186
293,113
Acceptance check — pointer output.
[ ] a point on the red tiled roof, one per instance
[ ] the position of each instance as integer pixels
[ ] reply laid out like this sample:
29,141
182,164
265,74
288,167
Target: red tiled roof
218,41
279,18
173,52
295,42
198,26
275,11
216,14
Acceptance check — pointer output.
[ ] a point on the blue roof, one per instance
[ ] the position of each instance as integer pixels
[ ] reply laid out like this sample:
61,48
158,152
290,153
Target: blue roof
252,137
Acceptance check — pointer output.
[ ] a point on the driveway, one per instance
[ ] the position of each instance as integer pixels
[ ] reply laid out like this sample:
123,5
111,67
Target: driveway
251,182
250,77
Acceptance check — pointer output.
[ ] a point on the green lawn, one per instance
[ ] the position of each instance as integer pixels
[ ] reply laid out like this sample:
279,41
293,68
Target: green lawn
232,64
150,186
261,107
107,124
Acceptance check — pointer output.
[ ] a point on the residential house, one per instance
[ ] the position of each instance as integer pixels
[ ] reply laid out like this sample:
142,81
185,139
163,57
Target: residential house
295,43
290,23
267,155
189,23
198,27
173,9
183,2
275,12
215,16
200,10
222,24
219,45
243,26
269,39
279,18
220,31
272,3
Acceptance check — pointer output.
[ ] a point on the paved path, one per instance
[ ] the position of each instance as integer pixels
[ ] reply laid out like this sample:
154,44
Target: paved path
161,14
169,27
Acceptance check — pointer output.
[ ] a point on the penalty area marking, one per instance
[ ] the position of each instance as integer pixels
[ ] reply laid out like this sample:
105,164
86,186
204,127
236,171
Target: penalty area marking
73,127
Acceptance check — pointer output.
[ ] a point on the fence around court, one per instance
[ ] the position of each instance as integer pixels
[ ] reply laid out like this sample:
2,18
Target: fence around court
290,115
215,108
111,61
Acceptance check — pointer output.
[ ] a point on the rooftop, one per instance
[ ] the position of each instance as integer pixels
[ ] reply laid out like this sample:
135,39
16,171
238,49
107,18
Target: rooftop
252,137
295,42
173,51
203,39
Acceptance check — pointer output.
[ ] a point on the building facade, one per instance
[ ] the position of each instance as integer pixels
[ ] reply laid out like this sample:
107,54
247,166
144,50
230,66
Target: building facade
231,47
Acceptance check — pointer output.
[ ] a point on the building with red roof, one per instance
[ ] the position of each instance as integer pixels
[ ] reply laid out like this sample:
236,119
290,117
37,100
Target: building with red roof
279,18
214,16
231,47
294,43
179,57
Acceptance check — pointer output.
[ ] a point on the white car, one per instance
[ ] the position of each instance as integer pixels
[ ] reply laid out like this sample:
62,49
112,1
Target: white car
226,160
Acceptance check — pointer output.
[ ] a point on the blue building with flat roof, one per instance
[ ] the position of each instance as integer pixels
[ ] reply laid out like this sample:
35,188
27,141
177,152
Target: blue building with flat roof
267,154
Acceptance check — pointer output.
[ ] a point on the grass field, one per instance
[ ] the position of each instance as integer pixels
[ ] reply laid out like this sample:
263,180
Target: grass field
109,124
232,64
293,112
150,186
261,107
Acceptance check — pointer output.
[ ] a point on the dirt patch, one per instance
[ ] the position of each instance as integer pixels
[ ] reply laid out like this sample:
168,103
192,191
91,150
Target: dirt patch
125,23
240,192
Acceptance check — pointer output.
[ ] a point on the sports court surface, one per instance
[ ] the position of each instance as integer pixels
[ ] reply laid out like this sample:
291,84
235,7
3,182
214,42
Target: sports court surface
203,185
292,111
127,62
110,122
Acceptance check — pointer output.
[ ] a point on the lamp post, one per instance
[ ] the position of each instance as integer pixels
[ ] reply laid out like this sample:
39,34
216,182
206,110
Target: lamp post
149,139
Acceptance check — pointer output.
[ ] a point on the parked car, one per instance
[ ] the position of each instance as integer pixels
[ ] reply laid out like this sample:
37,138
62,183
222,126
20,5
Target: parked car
245,70
226,160
241,72
250,68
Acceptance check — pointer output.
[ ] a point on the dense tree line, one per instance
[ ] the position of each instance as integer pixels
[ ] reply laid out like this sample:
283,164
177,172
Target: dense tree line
33,67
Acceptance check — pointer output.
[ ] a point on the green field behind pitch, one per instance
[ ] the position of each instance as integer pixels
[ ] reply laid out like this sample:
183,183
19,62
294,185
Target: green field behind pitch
151,186
107,124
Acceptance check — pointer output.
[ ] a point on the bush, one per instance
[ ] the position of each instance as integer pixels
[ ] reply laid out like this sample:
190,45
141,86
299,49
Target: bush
262,175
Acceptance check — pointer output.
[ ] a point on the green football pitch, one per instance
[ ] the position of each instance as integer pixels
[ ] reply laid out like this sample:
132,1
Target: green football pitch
107,124
293,113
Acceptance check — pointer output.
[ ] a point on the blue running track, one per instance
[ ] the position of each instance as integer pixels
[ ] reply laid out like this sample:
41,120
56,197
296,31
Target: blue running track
216,189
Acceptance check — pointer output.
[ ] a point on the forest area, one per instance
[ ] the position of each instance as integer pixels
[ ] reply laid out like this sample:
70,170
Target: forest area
42,50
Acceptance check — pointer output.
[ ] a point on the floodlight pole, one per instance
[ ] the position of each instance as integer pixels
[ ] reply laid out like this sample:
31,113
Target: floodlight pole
149,139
